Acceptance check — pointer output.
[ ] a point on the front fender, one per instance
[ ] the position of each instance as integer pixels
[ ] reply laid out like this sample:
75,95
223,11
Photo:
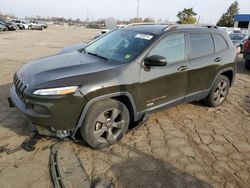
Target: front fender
111,95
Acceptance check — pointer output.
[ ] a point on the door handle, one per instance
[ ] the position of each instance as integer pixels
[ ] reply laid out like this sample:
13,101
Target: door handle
217,59
182,68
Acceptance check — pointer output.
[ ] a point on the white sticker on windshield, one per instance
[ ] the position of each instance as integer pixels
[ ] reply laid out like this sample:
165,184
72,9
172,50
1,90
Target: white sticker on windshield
143,36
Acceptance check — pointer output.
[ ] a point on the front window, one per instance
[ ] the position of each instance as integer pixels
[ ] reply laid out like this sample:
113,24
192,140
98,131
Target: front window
120,45
172,47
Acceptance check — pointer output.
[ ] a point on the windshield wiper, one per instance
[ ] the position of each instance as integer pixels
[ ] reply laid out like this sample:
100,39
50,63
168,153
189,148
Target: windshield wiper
97,56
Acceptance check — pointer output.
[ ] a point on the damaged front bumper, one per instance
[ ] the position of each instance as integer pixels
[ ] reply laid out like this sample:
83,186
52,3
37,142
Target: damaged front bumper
52,132
60,117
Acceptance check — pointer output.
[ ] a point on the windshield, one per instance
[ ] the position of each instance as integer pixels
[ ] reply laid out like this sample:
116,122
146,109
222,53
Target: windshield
120,45
237,36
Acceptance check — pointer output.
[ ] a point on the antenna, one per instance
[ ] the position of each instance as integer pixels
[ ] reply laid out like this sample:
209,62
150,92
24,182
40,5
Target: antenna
198,21
138,6
87,14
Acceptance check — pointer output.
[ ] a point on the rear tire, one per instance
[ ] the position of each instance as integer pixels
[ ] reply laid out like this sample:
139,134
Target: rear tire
247,64
219,92
105,123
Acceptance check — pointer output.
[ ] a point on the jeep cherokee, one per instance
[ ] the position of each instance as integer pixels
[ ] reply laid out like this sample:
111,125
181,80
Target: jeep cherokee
117,79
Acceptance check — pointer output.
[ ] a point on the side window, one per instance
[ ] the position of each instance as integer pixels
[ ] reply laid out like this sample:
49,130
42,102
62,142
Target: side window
201,44
172,47
220,43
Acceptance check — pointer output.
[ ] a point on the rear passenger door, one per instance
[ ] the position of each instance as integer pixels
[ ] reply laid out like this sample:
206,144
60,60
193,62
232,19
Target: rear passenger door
202,64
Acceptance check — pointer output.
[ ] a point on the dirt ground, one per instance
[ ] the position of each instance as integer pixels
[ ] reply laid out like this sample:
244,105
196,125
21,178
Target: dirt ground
189,145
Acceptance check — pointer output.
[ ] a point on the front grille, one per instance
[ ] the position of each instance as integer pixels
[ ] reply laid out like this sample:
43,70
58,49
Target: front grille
20,87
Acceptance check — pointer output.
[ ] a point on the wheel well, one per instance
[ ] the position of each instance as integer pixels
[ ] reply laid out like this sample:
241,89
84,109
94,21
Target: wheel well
229,75
125,100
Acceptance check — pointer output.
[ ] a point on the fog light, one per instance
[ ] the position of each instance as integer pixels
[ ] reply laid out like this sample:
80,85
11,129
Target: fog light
40,109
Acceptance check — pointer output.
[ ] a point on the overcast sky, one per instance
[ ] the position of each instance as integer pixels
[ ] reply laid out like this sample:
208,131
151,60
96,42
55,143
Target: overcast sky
208,10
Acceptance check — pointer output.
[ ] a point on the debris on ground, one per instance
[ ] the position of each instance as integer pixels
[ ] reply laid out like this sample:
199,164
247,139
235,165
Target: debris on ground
28,144
66,169
4,148
104,184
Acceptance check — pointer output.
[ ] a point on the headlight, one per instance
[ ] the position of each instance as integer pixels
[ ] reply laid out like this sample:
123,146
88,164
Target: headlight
56,91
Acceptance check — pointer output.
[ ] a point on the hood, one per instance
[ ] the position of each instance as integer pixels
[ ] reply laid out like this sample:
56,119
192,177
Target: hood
60,67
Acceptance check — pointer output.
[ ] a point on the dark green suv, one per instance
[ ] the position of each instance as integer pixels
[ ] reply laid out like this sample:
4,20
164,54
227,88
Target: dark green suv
117,79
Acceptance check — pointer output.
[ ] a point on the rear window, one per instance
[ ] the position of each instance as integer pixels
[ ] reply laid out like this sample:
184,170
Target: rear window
237,36
220,43
201,44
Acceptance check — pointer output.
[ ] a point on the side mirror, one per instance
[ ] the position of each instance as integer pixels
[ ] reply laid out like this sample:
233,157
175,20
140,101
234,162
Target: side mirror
155,60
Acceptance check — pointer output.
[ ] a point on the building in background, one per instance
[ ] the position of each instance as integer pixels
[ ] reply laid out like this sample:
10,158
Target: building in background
242,21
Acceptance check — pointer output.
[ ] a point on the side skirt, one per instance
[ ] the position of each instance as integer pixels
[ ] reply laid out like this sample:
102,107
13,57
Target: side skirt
189,98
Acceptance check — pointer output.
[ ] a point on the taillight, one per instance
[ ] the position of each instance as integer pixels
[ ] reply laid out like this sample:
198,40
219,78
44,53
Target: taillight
247,44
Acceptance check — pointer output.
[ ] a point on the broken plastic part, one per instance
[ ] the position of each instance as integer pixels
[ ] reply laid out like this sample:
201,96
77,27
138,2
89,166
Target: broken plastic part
66,168
63,133
52,132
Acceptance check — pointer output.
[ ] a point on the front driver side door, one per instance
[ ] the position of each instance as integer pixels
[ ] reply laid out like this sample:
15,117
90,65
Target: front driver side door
166,84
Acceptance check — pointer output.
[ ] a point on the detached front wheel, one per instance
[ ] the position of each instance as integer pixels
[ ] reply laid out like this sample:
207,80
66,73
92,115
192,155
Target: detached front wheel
105,123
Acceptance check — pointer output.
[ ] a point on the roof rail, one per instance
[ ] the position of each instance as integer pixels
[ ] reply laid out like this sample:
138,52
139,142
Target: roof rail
171,25
190,26
149,23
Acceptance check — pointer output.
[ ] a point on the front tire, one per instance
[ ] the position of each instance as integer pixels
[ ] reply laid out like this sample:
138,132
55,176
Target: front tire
219,92
247,64
105,123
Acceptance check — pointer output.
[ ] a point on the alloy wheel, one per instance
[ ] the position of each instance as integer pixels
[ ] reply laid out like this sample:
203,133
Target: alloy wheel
220,92
109,125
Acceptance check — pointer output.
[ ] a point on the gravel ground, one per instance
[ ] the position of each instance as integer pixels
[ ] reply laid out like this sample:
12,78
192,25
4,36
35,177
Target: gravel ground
189,145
